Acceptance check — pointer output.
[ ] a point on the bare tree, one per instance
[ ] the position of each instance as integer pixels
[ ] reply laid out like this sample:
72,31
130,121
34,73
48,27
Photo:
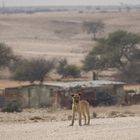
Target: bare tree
31,70
6,55
93,27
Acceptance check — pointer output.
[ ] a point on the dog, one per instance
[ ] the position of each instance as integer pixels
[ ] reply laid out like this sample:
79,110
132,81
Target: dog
82,107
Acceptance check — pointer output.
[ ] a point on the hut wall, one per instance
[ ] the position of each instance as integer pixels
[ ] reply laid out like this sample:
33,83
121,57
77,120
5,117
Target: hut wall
135,99
25,100
120,95
12,94
2,99
28,96
116,91
88,94
36,96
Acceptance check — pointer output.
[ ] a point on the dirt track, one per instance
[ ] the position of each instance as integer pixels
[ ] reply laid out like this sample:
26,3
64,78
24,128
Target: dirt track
127,128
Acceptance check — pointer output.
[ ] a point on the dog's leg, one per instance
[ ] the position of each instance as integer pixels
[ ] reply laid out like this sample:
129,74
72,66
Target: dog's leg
88,115
73,117
79,113
84,117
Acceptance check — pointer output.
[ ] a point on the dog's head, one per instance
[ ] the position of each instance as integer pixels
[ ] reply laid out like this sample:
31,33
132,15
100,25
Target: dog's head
76,97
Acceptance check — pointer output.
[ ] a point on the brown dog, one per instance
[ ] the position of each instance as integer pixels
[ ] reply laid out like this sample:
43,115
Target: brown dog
82,107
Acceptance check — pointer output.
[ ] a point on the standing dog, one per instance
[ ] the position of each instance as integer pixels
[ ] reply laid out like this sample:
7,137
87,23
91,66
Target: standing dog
82,107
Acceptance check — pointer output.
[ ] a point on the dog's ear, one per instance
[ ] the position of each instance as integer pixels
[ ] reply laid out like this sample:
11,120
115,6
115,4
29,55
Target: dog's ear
79,93
72,95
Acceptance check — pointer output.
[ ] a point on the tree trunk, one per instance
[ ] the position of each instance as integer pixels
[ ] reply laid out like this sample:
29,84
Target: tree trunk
94,36
94,76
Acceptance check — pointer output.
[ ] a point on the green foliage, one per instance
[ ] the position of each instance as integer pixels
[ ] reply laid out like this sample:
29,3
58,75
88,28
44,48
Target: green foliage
92,62
93,27
136,54
12,106
131,73
31,70
6,55
71,70
61,66
68,70
109,52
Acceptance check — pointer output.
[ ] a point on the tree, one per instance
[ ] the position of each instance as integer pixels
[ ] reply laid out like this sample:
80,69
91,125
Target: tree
131,73
31,70
6,55
72,71
118,50
61,67
93,27
67,70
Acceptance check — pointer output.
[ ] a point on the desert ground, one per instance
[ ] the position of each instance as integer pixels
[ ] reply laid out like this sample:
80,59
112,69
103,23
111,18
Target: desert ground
109,123
100,129
60,34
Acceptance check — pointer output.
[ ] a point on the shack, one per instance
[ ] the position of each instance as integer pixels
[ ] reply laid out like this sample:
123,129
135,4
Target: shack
29,95
59,93
103,92
132,93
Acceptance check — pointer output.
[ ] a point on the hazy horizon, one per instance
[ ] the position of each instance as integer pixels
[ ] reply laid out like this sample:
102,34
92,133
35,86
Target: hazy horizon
66,2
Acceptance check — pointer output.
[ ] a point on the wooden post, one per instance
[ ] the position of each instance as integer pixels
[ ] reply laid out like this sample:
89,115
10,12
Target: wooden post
29,97
93,75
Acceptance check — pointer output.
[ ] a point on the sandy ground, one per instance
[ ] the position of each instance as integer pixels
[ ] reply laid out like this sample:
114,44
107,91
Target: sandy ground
100,129
110,123
59,34
48,114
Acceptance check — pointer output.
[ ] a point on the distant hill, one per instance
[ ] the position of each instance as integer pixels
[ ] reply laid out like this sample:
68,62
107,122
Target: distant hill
35,9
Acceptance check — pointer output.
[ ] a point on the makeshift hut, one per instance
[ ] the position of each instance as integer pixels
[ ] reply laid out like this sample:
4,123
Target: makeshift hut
58,94
132,95
29,95
97,92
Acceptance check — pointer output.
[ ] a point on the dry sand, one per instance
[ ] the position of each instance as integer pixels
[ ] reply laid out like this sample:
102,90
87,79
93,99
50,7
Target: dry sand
127,128
59,35
111,123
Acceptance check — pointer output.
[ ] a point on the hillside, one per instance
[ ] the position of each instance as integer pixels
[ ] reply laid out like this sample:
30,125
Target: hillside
58,35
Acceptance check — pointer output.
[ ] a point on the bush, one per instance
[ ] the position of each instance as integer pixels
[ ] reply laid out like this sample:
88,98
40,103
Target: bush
12,106
31,70
69,71
72,70
61,67
6,55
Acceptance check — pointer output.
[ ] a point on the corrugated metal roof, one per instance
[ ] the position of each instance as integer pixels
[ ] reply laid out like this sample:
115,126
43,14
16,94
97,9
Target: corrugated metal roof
12,84
95,83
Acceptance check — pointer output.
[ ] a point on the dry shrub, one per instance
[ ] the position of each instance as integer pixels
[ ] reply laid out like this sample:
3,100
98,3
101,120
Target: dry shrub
36,118
113,114
69,117
94,115
53,118
12,106
129,113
